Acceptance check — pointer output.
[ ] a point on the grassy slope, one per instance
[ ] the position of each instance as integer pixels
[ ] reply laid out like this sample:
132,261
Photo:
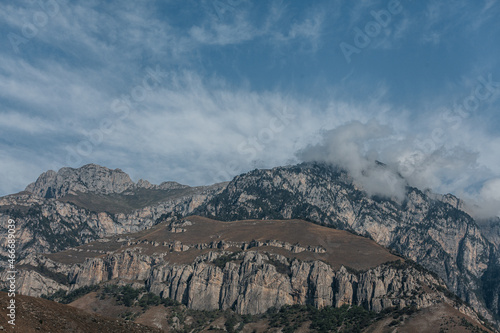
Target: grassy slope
124,203
40,315
342,247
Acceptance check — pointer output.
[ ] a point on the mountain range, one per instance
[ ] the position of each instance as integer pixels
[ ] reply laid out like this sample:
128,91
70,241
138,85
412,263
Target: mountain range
302,235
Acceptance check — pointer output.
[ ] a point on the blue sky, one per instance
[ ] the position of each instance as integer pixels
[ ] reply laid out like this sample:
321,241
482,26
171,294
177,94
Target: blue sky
200,91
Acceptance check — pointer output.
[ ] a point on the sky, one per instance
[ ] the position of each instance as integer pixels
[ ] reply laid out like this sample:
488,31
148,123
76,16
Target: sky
200,91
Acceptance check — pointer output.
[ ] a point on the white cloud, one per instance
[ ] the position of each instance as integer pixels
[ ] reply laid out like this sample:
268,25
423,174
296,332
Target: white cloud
447,167
197,128
353,147
206,126
32,125
486,203
50,90
197,131
432,38
310,29
491,190
238,27
224,34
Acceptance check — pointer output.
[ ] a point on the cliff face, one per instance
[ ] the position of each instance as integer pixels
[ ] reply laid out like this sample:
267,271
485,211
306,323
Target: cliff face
89,178
432,232
255,285
490,228
49,225
250,283
32,283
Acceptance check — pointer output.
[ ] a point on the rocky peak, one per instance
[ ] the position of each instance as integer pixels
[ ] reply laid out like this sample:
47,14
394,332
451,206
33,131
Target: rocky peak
453,201
88,178
144,184
170,186
430,230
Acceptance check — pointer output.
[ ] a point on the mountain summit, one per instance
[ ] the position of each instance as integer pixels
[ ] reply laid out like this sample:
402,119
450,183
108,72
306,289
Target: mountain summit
89,178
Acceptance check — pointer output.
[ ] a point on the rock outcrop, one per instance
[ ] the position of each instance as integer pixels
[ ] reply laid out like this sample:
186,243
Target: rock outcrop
435,233
433,230
250,283
49,225
32,283
90,178
255,285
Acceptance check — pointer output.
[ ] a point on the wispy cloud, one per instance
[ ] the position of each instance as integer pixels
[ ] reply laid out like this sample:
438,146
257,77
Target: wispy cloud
222,33
14,121
351,147
450,168
280,24
228,77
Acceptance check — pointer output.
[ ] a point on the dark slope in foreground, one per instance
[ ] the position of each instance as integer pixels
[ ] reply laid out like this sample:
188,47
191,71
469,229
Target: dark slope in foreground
176,318
40,315
85,315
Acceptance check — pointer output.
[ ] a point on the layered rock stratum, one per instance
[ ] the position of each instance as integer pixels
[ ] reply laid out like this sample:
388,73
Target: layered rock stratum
249,266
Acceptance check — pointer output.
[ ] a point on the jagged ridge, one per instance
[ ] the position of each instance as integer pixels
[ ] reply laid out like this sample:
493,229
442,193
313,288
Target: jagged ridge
90,178
444,239
431,230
